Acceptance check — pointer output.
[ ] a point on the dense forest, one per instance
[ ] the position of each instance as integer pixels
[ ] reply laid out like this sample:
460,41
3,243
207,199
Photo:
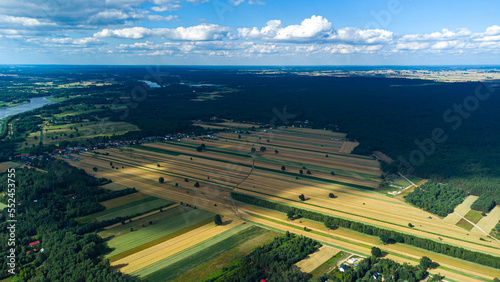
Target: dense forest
391,235
440,199
47,205
484,203
271,262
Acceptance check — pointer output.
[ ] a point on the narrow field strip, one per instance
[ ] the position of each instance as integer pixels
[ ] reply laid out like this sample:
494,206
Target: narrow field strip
136,209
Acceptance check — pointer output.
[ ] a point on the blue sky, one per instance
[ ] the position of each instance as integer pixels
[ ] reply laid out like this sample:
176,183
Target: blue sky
250,32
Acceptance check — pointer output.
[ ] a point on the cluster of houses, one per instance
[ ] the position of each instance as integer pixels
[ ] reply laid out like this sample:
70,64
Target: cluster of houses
33,245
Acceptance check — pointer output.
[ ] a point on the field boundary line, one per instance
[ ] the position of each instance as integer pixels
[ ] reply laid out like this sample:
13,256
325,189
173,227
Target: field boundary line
473,224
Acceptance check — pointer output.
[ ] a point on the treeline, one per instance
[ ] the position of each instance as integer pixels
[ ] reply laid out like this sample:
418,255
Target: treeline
271,262
48,203
392,235
484,203
440,199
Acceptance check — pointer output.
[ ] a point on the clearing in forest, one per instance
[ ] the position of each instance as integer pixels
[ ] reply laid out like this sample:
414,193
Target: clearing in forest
316,259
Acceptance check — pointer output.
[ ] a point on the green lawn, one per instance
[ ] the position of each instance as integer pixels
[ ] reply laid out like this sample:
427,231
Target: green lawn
179,218
401,183
182,262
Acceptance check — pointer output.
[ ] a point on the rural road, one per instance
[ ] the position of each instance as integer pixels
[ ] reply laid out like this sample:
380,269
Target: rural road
477,227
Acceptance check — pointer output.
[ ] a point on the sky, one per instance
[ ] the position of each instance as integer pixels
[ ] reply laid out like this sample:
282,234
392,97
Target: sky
250,32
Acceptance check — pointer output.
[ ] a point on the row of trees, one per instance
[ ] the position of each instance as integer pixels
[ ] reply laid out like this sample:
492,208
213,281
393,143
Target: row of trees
392,235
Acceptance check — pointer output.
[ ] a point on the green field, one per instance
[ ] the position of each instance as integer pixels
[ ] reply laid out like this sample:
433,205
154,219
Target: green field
182,262
129,209
178,218
114,187
116,202
136,224
474,216
465,224
135,208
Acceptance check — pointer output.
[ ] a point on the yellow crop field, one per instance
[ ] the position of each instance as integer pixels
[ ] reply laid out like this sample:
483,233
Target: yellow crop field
316,259
348,146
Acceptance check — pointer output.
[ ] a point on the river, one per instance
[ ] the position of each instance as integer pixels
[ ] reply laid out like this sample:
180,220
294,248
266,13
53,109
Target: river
34,103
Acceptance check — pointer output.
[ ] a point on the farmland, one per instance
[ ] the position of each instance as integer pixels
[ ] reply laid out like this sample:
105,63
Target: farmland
294,161
139,205
316,259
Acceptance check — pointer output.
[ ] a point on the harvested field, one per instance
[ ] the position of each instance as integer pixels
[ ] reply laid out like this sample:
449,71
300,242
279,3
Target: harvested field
488,222
313,261
461,209
383,157
123,200
464,207
348,146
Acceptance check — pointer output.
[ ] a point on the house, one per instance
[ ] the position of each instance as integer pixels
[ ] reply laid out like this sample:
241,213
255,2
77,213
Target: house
32,244
353,260
376,275
343,268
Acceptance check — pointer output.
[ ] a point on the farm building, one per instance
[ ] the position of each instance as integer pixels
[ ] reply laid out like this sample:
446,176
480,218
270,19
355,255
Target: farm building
344,268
